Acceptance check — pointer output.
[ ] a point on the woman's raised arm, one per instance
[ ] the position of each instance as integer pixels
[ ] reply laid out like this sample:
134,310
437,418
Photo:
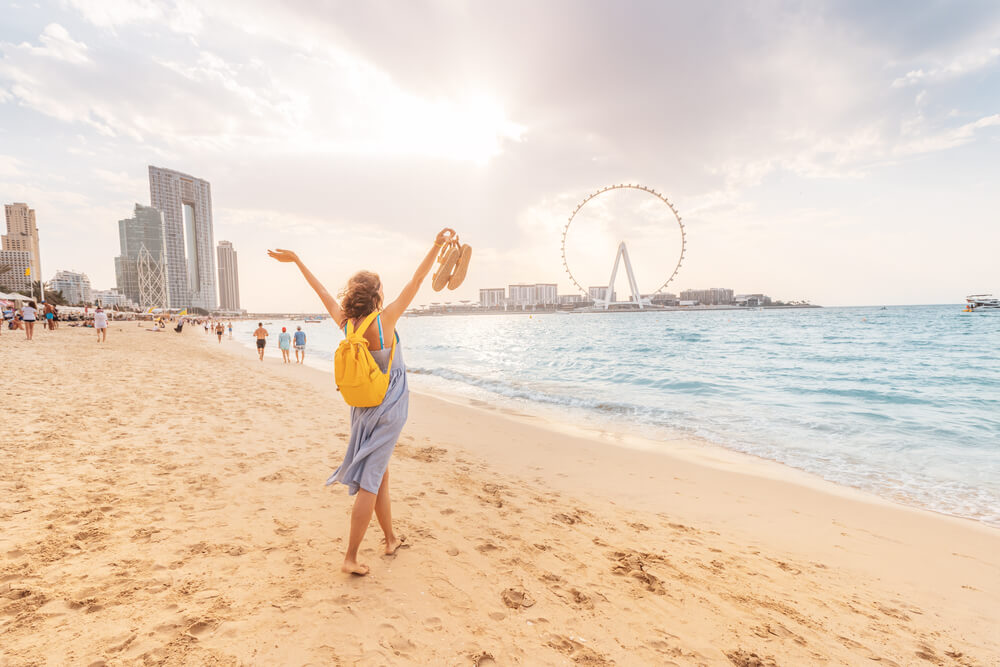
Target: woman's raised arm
396,309
329,302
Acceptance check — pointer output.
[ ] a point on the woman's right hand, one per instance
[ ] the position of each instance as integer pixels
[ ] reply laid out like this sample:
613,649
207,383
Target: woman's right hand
283,255
444,236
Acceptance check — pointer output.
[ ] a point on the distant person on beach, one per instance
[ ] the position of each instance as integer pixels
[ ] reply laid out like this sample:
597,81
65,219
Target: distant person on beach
285,344
261,335
50,316
29,314
101,325
230,328
219,330
374,430
300,345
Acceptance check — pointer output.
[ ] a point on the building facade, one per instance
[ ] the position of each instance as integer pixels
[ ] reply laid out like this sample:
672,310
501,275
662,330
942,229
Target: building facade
571,299
491,297
186,204
75,287
22,236
597,293
546,294
14,268
144,229
715,296
229,277
111,298
536,294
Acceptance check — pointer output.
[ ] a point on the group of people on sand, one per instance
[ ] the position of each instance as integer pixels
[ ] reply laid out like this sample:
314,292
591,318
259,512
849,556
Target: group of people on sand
286,341
28,315
218,327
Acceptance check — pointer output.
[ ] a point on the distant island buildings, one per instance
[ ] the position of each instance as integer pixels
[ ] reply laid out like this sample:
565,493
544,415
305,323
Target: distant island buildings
544,296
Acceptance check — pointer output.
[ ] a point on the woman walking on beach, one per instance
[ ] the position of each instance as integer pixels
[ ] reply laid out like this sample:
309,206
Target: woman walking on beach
28,316
374,430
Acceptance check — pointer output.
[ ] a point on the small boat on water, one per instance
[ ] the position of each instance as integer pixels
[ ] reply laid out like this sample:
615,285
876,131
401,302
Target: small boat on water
313,320
975,302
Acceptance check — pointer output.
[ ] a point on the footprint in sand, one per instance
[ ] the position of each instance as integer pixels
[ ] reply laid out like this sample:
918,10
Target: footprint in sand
516,598
577,651
743,658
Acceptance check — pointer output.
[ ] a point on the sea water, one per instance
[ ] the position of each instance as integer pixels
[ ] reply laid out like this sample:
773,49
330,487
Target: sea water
903,402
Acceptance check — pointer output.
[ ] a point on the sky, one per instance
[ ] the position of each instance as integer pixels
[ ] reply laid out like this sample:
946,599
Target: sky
842,152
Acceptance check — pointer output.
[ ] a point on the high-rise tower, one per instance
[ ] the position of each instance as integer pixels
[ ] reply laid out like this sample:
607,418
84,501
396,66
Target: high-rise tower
144,230
229,277
186,204
22,236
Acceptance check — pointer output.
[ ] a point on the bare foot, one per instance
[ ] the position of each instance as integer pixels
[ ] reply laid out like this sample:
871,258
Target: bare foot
391,547
354,567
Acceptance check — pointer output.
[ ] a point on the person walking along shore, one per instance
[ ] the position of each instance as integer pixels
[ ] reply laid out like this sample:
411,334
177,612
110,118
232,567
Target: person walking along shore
101,325
261,335
285,345
300,345
374,430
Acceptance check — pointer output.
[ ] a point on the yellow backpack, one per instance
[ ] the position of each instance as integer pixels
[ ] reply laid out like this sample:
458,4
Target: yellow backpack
359,379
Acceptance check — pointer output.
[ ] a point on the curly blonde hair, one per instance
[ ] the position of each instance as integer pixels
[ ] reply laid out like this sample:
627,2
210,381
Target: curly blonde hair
360,297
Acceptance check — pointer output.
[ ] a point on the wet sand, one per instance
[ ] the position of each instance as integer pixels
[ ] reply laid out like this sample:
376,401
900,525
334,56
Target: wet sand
162,502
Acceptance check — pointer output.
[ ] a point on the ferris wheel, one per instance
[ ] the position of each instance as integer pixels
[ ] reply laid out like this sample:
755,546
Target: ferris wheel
652,199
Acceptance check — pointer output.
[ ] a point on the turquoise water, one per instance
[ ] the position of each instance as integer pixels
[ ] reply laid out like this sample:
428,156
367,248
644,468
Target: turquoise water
903,402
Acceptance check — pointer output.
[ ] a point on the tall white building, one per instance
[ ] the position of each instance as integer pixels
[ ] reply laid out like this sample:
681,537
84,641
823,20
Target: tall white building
491,297
537,294
22,236
546,294
186,204
75,287
229,277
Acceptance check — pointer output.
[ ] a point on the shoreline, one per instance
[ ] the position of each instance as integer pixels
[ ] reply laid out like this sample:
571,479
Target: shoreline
667,441
179,515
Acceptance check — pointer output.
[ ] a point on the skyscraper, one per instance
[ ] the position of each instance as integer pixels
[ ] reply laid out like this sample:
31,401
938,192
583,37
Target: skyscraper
186,204
22,236
144,230
229,277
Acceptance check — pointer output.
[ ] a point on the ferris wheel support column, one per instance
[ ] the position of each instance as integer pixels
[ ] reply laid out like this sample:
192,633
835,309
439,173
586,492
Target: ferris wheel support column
633,285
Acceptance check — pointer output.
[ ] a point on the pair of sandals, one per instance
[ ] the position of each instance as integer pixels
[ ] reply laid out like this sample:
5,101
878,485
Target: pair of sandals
454,261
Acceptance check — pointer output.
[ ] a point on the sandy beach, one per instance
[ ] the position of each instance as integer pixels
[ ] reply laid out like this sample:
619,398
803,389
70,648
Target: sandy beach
162,502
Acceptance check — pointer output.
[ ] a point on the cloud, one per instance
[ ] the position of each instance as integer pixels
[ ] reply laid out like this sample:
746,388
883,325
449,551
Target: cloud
314,119
180,16
932,141
965,64
56,44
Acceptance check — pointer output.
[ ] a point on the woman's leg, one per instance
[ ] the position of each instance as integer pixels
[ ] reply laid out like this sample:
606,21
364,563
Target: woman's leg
361,516
383,512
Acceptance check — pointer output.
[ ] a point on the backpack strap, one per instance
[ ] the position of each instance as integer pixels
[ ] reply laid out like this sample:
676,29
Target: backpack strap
360,330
